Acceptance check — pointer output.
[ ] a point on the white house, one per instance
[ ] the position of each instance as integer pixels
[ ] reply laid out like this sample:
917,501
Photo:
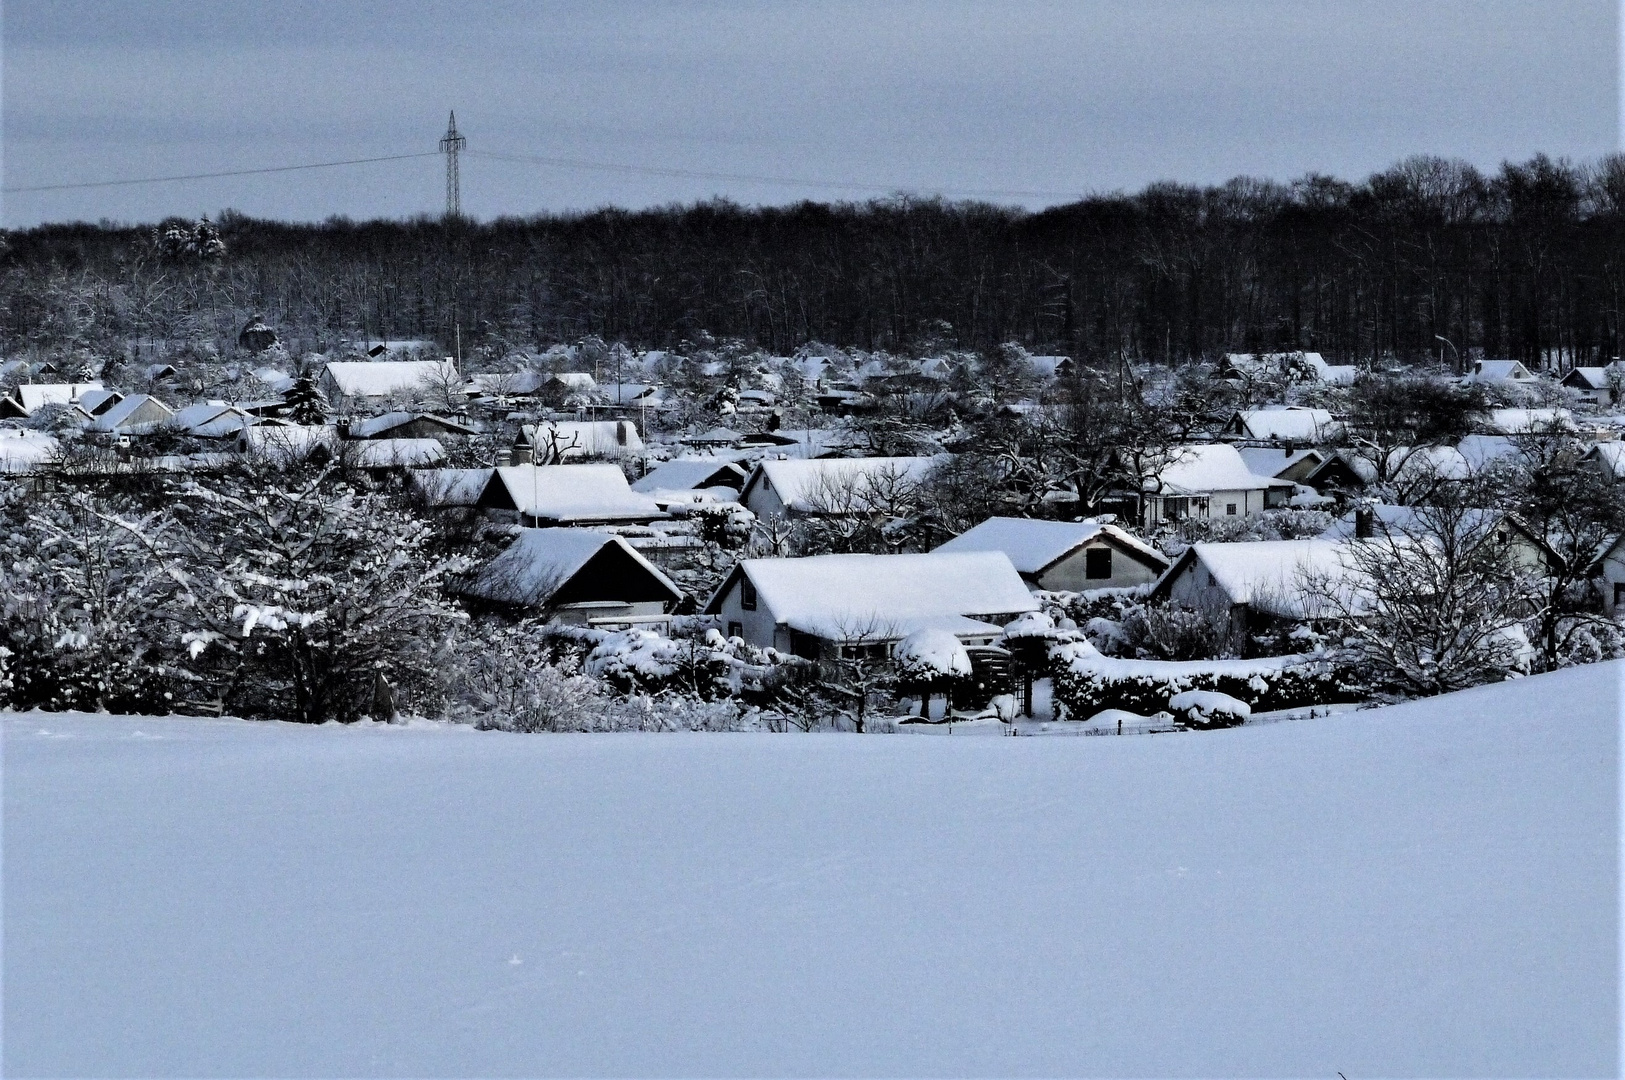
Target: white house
1609,573
1609,457
1498,371
814,606
1293,424
829,485
580,576
692,480
1065,555
136,414
1598,385
1208,481
1246,585
210,421
285,444
567,495
388,378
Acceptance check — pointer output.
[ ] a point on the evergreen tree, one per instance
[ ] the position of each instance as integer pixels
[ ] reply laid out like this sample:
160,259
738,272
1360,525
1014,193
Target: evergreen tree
305,402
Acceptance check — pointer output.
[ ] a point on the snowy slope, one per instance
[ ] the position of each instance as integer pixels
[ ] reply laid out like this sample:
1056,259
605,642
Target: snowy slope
1423,890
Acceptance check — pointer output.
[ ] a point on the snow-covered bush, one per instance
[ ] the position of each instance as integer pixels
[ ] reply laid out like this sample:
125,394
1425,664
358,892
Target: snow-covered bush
1209,709
931,657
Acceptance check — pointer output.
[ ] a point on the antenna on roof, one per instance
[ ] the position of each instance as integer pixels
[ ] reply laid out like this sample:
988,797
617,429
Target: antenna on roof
450,144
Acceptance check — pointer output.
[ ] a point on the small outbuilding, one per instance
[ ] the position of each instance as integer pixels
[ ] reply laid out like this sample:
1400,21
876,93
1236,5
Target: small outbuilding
1064,555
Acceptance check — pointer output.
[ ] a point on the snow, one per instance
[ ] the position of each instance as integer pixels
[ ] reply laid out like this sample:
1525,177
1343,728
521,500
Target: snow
569,493
210,421
1206,706
1034,545
383,378
541,561
1423,890
1201,469
1295,423
1272,462
138,412
1499,371
451,487
285,443
580,438
23,451
1611,456
932,654
1281,577
688,474
385,453
804,485
1526,421
37,395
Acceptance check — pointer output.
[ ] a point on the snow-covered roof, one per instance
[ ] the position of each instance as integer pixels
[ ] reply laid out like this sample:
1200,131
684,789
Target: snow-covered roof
1295,423
1033,545
541,561
720,435
35,395
1199,469
136,412
387,453
884,597
569,493
23,451
91,400
1270,461
285,443
586,438
1049,366
210,421
382,378
506,382
577,381
279,382
807,442
1480,450
1411,522
1588,378
1280,577
803,484
1527,421
451,487
374,426
1412,463
1611,455
1499,371
685,474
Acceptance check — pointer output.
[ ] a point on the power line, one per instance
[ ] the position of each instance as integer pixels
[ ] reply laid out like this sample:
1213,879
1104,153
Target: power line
212,175
691,174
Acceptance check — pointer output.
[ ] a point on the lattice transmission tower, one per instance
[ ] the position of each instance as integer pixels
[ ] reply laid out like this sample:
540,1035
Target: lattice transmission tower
450,143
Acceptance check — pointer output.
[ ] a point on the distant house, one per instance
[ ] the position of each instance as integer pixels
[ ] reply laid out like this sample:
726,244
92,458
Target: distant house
34,396
1598,385
383,379
1499,371
1609,457
569,439
1207,481
381,455
23,451
505,384
1528,421
828,605
1285,464
716,438
1294,425
282,445
829,485
579,576
442,489
1254,584
1609,574
566,388
210,421
691,474
135,415
567,495
807,442
411,425
96,402
1063,555
1292,367
1052,367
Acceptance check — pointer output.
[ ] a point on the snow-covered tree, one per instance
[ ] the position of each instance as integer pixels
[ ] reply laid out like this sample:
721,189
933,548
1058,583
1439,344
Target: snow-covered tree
306,404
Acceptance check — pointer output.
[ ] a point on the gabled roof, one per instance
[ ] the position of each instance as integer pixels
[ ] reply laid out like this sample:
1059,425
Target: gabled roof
23,451
1528,421
1294,423
800,483
1034,546
721,436
209,421
1611,456
568,494
604,438
1499,371
450,487
839,597
541,563
36,395
1278,577
1269,461
378,426
96,402
393,453
1588,378
282,444
1204,468
138,411
382,378
686,474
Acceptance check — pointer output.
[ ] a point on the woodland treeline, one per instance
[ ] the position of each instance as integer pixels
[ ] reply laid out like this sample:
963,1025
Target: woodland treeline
1527,263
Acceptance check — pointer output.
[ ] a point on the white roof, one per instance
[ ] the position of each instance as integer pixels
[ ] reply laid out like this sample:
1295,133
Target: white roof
1612,456
602,438
1412,522
383,453
451,487
1594,378
135,411
35,395
685,474
382,378
1499,371
800,483
1295,423
1199,469
565,493
284,443
23,451
1479,450
1526,421
1411,463
1270,461
210,421
575,380
376,425
540,561
1034,545
1275,576
886,596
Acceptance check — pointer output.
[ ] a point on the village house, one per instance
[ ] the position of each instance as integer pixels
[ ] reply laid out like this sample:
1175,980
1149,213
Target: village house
1608,458
1409,523
1250,586
1295,425
829,485
536,495
1284,463
1609,574
1207,481
1065,555
1599,385
382,380
137,414
410,425
25,399
1499,371
567,389
831,605
564,440
1292,367
579,576
1344,471
692,480
214,420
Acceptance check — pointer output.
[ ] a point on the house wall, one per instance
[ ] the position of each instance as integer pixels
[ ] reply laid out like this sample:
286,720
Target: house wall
1071,573
763,501
759,627
1612,581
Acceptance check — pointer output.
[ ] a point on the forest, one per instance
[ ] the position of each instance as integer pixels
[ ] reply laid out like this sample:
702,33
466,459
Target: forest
1430,259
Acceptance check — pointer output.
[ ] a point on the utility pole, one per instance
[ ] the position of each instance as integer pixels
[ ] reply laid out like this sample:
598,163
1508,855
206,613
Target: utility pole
450,144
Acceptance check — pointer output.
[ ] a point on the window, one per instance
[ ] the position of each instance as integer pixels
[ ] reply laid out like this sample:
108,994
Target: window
1097,563
735,630
747,594
1230,509
1619,593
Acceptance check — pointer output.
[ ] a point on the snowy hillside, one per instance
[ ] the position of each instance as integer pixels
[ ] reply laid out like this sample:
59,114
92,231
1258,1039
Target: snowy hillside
1423,890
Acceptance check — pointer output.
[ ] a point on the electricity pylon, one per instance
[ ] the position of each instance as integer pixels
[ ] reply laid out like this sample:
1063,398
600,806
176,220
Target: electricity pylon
450,143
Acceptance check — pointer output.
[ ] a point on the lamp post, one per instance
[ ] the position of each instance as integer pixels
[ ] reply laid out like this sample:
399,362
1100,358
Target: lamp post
1453,349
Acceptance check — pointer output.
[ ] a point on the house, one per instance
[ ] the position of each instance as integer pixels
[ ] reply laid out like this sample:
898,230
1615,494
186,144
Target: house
158,372
1282,464
717,438
558,440
34,396
210,421
1294,424
1609,574
566,389
377,455
1343,470
1051,367
388,378
1065,555
1255,584
807,442
579,576
282,445
96,402
1598,385
692,474
1609,457
441,489
1298,367
566,495
827,605
1209,480
1472,527
410,425
1528,421
829,485
502,385
134,415
1498,371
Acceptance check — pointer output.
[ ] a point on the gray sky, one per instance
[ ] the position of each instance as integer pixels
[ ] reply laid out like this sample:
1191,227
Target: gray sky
954,96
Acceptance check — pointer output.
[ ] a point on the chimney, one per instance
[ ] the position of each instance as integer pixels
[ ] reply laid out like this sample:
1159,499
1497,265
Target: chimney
1364,522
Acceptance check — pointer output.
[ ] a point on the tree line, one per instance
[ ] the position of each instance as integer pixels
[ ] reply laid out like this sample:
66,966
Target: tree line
1428,259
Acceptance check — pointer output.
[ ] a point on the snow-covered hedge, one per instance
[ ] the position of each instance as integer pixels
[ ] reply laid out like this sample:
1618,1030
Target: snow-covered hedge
1086,681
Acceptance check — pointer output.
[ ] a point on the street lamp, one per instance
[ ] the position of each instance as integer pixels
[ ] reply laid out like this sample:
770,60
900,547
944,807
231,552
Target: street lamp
1453,349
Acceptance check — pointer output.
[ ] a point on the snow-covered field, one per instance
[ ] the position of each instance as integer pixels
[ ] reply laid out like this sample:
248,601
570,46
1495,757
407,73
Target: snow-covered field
1423,890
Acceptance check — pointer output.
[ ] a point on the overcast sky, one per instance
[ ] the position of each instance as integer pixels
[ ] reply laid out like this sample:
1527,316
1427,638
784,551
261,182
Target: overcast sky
1032,100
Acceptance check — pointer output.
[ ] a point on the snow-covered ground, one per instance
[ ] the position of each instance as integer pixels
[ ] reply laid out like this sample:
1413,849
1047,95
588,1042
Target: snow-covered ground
1424,890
